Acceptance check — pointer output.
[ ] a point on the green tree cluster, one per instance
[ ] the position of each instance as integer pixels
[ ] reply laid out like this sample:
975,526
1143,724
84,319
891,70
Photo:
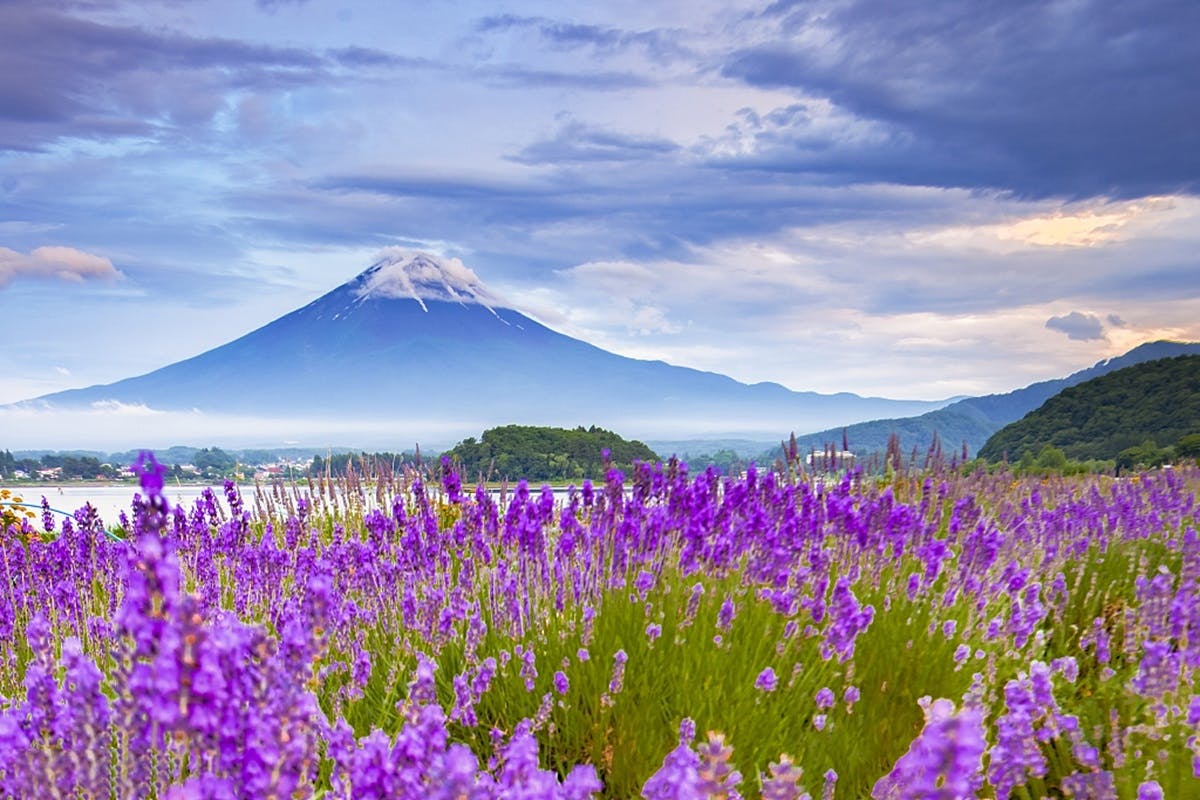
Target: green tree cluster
1120,416
545,454
70,466
214,462
340,464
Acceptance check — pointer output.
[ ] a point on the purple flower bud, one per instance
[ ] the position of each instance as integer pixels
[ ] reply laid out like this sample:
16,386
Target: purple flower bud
687,731
726,614
1150,790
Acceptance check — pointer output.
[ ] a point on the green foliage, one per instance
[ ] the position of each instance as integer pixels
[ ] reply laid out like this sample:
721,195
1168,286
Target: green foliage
213,461
1189,446
1147,454
1117,416
726,461
541,454
373,464
954,424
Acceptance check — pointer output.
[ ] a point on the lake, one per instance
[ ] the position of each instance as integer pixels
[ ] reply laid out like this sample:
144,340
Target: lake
110,501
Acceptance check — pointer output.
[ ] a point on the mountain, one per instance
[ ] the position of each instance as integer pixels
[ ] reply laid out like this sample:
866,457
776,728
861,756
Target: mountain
1097,419
417,343
974,419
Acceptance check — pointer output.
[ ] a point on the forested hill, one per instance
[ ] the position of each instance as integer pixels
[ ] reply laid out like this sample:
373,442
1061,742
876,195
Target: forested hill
1155,401
974,419
541,454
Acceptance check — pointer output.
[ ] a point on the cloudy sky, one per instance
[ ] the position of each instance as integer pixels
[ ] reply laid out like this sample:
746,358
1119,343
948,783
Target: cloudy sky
890,197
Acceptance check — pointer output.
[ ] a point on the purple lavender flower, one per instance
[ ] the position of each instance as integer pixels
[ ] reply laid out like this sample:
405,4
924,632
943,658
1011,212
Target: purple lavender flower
1158,671
830,785
618,676
945,760
1097,785
782,781
726,614
1016,754
1150,790
464,702
766,680
847,620
528,669
677,779
687,731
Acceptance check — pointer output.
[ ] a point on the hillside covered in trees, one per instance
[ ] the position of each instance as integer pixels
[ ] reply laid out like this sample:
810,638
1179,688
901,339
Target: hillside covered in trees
1141,414
540,454
973,420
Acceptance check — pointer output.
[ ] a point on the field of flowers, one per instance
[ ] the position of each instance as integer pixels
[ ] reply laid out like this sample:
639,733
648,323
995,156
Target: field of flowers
662,635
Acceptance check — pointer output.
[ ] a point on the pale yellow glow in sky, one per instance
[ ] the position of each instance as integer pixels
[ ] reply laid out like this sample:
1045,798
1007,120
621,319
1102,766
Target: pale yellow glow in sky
1065,227
1068,230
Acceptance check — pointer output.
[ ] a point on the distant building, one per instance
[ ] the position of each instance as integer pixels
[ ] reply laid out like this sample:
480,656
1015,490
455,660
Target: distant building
830,460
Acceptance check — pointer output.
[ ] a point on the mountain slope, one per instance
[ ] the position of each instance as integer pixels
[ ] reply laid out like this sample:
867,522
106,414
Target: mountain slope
1097,419
415,339
974,419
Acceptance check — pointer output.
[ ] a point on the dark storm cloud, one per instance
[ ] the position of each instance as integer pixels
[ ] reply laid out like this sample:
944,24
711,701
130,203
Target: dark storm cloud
516,76
369,57
577,142
273,5
1078,326
635,208
659,44
1080,99
67,76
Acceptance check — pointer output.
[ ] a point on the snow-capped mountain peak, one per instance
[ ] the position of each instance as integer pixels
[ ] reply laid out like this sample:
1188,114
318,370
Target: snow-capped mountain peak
405,274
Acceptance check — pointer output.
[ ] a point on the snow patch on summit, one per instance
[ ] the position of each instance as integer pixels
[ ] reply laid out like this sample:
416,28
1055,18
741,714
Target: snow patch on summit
403,274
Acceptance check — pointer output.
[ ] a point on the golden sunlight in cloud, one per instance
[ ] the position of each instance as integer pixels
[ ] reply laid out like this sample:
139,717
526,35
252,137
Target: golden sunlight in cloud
1122,340
1067,227
1066,230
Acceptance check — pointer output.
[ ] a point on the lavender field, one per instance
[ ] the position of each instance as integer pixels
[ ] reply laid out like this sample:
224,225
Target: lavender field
662,635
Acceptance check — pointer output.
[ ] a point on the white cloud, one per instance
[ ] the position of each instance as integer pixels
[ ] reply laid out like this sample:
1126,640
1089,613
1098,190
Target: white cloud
59,263
888,306
649,319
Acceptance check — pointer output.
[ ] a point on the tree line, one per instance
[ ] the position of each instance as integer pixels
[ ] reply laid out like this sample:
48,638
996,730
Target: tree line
546,454
1144,415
